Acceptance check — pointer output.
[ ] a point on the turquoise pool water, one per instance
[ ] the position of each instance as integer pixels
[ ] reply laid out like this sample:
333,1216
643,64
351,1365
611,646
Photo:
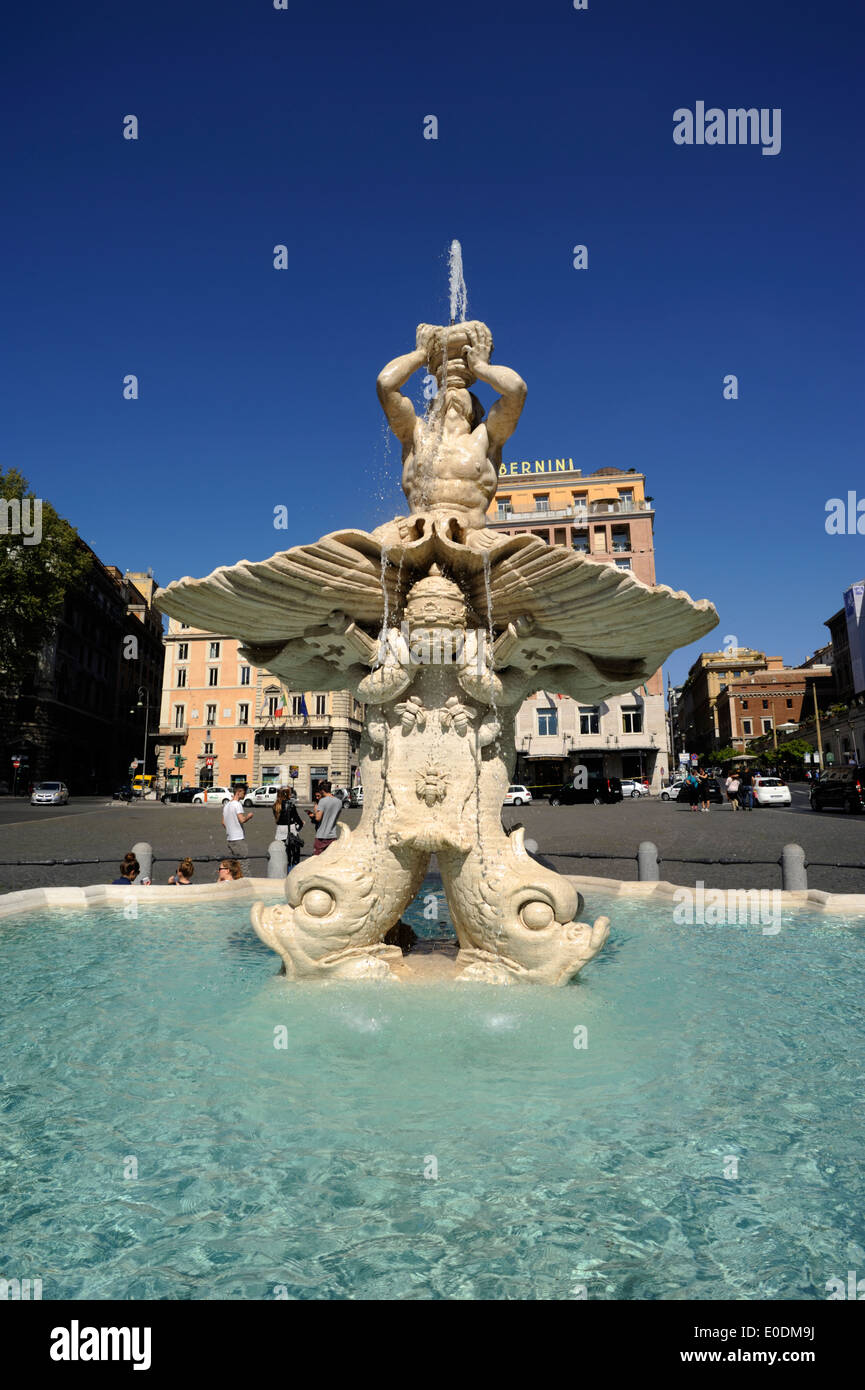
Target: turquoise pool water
299,1171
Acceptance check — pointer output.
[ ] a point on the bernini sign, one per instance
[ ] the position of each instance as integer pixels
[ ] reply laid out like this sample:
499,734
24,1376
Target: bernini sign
507,470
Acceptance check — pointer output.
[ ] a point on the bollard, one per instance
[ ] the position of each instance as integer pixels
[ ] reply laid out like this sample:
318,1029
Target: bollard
277,859
794,875
144,854
647,862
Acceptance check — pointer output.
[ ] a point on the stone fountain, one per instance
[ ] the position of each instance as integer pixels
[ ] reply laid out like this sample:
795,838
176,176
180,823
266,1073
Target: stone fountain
441,627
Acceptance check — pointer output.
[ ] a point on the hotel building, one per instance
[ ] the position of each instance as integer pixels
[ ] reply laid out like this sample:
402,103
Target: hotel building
607,517
231,723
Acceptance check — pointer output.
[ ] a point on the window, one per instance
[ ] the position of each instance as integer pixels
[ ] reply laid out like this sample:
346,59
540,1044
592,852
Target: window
183,651
207,749
767,726
581,544
626,496
737,674
244,675
504,506
789,704
240,750
272,704
542,501
214,651
179,712
746,726
210,715
632,719
623,564
590,720
621,538
181,678
548,721
176,747
213,675
295,704
320,741
765,704
271,743
321,704
744,704
243,714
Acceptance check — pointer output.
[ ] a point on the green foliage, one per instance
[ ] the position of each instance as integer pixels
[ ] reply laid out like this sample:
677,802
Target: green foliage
34,577
794,750
726,755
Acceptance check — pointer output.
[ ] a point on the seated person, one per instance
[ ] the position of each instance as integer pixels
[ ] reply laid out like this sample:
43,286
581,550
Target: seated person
129,871
229,870
185,870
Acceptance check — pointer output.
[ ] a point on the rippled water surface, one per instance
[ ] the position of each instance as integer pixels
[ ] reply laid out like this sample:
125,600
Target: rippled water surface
304,1169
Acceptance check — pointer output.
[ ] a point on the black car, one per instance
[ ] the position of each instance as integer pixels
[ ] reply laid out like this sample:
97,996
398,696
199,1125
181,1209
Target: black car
597,790
839,789
182,794
124,793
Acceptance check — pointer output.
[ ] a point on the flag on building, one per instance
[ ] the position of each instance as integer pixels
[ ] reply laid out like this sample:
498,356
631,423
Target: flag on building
280,704
303,709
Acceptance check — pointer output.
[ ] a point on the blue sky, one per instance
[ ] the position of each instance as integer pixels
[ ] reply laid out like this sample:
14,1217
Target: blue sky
260,127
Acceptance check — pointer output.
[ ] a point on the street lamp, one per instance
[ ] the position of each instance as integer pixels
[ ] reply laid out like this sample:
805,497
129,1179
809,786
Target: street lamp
143,700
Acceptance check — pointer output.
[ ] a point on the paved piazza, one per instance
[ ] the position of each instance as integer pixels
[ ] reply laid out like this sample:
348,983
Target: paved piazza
91,828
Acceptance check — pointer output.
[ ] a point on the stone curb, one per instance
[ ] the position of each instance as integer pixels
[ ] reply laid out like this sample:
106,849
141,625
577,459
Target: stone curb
100,894
843,903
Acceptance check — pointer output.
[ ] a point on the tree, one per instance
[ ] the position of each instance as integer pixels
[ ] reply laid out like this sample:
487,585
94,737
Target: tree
41,557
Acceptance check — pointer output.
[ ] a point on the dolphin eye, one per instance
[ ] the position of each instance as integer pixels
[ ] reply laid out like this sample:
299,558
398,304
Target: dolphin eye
536,915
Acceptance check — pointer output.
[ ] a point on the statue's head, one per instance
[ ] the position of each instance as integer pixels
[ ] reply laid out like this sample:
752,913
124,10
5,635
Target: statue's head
466,405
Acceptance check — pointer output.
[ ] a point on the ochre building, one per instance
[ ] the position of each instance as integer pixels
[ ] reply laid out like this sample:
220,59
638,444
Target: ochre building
607,517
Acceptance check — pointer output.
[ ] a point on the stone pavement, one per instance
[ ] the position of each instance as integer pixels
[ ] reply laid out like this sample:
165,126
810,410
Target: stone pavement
91,828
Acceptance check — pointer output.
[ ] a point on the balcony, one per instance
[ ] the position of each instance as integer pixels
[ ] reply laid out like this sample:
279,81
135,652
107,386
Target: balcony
578,515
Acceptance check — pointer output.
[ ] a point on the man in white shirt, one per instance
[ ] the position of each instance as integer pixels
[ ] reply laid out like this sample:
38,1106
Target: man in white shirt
233,818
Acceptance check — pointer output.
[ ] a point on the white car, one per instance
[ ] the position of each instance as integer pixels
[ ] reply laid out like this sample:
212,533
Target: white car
261,796
630,787
771,791
213,796
50,794
517,796
671,793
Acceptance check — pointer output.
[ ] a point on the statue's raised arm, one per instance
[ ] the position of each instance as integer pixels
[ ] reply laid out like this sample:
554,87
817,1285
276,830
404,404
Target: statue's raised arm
398,408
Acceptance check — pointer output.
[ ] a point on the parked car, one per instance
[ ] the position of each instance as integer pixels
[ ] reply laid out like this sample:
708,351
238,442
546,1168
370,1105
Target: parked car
212,796
840,789
517,796
771,791
180,794
598,790
631,787
124,792
50,794
671,793
262,796
355,797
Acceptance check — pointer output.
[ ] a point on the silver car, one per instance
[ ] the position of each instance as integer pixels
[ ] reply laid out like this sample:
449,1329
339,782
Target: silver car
50,794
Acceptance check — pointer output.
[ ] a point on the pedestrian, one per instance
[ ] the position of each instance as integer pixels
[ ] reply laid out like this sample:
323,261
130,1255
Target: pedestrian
746,790
704,781
732,785
288,824
325,816
692,789
234,819
185,870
